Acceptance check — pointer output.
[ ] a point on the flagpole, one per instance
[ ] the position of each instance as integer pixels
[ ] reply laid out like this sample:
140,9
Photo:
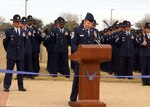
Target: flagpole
26,8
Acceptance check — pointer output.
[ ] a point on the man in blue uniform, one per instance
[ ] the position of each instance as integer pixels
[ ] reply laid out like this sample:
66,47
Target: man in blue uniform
144,41
127,42
28,48
50,44
14,47
36,41
62,41
137,66
82,35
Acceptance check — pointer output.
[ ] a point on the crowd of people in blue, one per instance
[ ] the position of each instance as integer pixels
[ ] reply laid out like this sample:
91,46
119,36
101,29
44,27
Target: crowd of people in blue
130,49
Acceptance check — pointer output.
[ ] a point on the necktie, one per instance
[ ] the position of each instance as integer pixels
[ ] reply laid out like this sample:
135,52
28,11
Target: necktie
88,32
17,31
128,33
61,30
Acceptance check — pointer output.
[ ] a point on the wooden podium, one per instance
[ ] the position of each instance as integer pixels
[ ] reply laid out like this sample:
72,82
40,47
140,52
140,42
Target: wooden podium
89,58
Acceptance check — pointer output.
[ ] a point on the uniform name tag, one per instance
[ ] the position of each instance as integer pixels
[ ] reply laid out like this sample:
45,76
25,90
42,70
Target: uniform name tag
81,35
11,36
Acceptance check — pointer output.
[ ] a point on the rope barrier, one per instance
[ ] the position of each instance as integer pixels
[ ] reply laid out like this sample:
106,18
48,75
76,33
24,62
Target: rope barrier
61,75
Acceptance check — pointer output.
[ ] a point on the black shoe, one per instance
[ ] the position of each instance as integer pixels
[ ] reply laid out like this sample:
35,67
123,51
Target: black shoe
6,89
73,100
130,78
144,84
67,76
22,89
32,77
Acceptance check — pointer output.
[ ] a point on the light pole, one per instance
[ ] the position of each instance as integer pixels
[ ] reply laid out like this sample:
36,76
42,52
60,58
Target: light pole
111,16
26,8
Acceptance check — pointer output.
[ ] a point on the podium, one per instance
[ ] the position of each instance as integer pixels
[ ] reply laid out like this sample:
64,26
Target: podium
89,58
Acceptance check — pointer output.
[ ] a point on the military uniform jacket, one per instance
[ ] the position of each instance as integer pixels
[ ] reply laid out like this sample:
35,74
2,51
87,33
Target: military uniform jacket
38,37
14,44
46,40
62,39
81,36
28,41
144,50
127,44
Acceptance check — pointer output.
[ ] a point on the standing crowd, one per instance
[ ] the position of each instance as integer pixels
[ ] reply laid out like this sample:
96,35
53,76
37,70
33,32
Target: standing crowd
130,49
22,46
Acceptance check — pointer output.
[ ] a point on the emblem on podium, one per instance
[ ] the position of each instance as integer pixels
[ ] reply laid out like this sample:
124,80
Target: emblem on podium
92,76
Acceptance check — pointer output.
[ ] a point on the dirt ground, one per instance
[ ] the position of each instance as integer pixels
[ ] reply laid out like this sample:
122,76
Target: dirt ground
49,92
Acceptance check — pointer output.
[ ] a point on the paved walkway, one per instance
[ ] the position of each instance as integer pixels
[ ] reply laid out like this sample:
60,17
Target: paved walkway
56,94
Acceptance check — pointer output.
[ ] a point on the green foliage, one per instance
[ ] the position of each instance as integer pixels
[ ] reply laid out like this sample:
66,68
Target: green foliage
39,23
71,20
5,26
146,19
71,25
48,26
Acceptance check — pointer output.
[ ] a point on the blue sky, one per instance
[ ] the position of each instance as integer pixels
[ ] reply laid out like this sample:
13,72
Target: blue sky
49,10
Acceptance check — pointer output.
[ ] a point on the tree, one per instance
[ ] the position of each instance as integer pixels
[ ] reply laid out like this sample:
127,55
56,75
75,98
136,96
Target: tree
4,25
1,20
140,24
39,23
48,26
70,25
71,19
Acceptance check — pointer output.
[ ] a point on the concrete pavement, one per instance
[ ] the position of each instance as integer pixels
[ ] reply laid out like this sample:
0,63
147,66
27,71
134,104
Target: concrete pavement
41,93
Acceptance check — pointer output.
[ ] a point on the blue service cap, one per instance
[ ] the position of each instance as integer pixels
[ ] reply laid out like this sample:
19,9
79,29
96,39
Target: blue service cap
61,20
29,18
120,24
89,17
24,20
16,18
147,25
126,23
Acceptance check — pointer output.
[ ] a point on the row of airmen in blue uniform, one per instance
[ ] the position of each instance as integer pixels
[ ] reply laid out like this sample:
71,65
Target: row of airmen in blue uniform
57,42
22,46
130,50
123,43
32,45
126,46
